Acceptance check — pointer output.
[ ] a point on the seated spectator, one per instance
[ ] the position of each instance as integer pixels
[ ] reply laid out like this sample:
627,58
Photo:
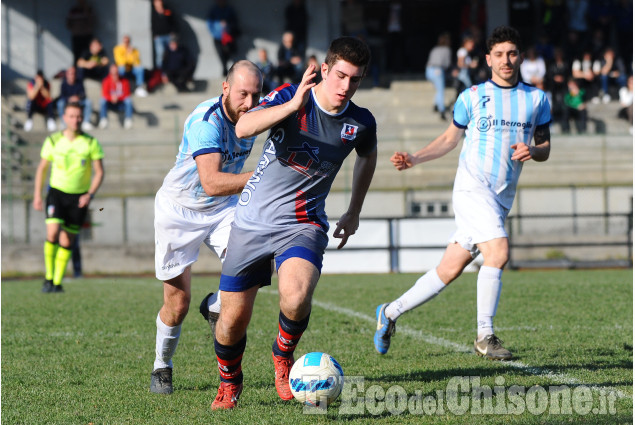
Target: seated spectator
533,69
612,73
72,91
575,107
585,71
222,22
38,99
129,63
290,61
93,63
626,101
178,66
267,69
115,94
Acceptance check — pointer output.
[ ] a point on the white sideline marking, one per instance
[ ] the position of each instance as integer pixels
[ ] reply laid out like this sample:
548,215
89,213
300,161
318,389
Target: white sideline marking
461,348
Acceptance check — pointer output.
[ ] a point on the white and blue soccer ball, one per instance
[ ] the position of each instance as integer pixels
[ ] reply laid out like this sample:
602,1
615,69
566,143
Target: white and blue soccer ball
316,379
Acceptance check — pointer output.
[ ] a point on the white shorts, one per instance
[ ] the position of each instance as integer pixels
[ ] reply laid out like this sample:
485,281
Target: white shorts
479,217
179,232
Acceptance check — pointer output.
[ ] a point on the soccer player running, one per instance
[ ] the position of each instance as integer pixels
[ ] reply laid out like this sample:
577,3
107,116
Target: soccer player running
499,118
76,174
280,215
196,205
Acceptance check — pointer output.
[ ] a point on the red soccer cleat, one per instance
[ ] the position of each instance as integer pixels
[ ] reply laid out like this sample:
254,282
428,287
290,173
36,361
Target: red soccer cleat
227,397
283,367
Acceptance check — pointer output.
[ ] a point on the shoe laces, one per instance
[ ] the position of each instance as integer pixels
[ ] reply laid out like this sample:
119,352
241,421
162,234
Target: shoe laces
163,376
495,341
283,366
391,328
228,392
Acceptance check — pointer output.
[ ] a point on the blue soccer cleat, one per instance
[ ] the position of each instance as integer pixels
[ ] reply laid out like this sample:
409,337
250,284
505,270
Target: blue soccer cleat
385,330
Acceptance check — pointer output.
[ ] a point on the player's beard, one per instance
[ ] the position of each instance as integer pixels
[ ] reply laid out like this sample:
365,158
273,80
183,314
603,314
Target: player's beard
232,113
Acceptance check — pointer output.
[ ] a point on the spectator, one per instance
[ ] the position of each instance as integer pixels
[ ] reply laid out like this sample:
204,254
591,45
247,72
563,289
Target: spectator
439,62
80,21
296,20
115,94
128,62
585,71
465,64
575,107
267,69
290,60
533,69
626,101
222,22
178,65
612,73
163,23
312,60
72,91
558,73
93,63
38,99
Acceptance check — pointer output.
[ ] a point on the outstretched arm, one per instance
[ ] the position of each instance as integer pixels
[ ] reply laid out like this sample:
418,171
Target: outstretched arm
437,148
362,176
253,123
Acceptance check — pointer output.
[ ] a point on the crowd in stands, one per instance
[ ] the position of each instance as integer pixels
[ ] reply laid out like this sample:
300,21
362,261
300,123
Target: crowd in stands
582,55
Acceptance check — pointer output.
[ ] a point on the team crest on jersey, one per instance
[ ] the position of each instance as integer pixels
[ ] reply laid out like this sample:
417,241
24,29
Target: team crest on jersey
349,132
50,210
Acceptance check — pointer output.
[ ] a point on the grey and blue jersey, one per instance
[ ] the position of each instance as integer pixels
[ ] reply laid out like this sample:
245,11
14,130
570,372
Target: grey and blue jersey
299,162
207,130
495,118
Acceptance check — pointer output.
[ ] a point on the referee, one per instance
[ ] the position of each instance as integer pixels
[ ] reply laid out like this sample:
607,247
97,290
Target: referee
76,174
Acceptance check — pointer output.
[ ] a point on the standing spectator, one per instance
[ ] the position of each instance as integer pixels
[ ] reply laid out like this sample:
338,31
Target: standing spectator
178,65
222,22
296,20
38,99
586,71
93,63
558,73
72,91
163,23
575,107
290,60
626,101
439,62
533,69
76,174
80,21
612,73
128,61
267,69
465,63
115,94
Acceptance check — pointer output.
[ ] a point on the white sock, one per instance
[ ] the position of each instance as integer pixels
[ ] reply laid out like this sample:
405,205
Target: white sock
167,340
213,302
488,291
425,288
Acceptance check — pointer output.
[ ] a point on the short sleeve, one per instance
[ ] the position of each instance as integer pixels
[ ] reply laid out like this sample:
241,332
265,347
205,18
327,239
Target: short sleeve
47,150
461,110
204,137
544,111
96,151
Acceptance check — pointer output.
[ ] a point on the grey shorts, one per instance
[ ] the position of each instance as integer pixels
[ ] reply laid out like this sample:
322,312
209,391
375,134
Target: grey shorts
249,254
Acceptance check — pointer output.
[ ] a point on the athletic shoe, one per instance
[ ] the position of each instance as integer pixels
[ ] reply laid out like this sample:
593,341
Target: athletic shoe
385,329
210,316
141,92
87,126
161,381
103,123
51,125
606,99
492,348
227,397
57,288
28,125
282,366
127,123
47,286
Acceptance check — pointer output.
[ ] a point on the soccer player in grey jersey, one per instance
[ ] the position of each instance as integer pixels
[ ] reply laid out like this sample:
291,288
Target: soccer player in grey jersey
280,214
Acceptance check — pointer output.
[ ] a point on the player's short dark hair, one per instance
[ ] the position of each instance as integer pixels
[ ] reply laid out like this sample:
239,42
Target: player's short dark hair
349,49
504,34
74,105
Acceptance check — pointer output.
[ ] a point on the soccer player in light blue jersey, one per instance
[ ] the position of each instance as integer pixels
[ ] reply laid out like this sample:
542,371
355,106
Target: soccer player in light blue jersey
196,203
498,118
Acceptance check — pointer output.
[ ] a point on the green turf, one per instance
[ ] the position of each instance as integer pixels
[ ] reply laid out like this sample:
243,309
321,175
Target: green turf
85,356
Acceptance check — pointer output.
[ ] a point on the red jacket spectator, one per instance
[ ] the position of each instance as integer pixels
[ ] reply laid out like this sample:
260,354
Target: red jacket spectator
115,89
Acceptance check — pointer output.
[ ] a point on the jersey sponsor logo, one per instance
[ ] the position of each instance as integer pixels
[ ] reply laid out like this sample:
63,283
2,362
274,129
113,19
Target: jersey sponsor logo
265,160
485,123
349,132
303,169
231,156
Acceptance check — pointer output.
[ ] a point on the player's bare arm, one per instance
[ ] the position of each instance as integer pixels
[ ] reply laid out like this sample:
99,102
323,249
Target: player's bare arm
98,178
362,175
40,174
539,152
443,144
256,122
214,181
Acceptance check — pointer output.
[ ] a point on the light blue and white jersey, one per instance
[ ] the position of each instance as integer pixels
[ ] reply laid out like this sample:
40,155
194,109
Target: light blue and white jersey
495,118
207,130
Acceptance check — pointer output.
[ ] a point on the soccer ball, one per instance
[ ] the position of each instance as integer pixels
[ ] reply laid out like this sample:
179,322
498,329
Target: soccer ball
316,379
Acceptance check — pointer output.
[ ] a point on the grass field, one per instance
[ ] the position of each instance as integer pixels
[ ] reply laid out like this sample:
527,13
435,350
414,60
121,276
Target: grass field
85,356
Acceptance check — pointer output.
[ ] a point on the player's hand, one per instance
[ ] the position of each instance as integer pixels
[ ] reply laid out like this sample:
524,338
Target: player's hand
522,152
345,227
37,204
302,94
84,200
401,160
